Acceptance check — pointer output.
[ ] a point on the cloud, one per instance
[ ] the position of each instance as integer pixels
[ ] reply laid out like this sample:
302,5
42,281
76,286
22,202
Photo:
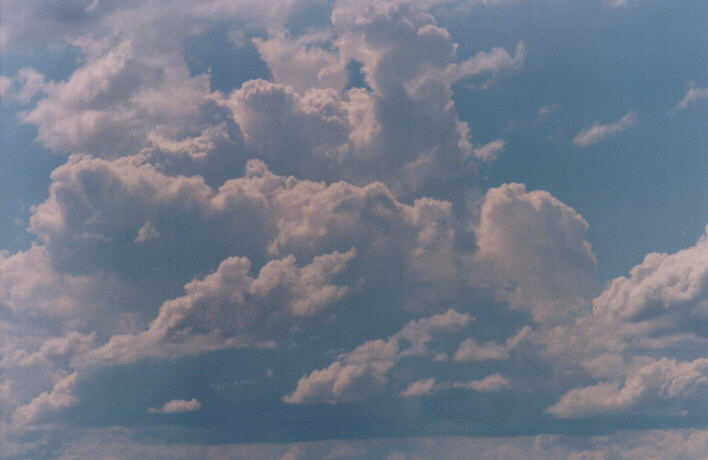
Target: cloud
177,406
229,308
537,244
493,62
619,3
547,109
490,151
298,213
366,368
112,103
693,94
5,85
598,132
666,295
419,388
303,63
665,386
470,350
490,384
60,396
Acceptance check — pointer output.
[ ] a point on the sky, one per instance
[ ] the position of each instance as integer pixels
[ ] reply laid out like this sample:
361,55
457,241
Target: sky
324,229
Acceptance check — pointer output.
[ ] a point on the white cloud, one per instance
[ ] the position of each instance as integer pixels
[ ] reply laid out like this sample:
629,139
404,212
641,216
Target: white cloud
5,85
490,151
666,295
74,342
547,109
536,244
470,350
176,406
111,104
492,62
491,383
419,388
366,368
693,94
618,3
598,132
664,386
229,308
60,396
303,63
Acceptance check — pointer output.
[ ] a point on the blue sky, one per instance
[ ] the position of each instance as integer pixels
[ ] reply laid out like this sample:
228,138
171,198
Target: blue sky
339,229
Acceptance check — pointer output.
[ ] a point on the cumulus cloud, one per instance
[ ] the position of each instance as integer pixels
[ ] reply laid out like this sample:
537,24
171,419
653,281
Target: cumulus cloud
537,244
642,340
366,368
176,406
304,62
229,308
664,386
666,295
186,221
113,102
60,396
598,132
470,350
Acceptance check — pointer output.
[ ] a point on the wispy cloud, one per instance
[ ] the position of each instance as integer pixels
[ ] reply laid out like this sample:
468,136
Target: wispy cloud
489,152
598,132
619,3
693,94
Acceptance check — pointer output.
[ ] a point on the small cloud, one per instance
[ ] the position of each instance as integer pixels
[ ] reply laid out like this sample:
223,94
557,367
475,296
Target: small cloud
489,152
419,388
493,62
489,384
693,94
146,233
546,109
5,84
598,132
237,37
175,406
618,3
